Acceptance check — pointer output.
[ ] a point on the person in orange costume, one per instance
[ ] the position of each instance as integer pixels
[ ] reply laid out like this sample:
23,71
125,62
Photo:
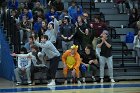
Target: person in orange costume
71,60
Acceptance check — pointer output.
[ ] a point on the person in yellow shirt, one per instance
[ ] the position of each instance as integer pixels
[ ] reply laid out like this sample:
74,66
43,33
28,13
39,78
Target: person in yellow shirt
71,60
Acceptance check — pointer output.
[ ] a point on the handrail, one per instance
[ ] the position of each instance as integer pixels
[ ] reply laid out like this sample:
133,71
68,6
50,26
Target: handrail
90,9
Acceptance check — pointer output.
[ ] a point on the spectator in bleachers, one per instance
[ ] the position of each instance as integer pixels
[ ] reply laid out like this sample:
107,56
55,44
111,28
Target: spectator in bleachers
59,6
49,3
25,29
88,62
29,44
133,18
79,10
39,12
72,11
21,7
43,27
28,13
137,44
80,33
13,4
24,64
86,38
67,32
105,55
49,50
85,19
52,30
71,61
14,31
38,65
37,26
37,8
63,14
51,13
97,27
30,4
121,6
133,4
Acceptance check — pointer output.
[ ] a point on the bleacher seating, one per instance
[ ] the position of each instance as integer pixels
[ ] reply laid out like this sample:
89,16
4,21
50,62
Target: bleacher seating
117,17
117,24
109,11
115,20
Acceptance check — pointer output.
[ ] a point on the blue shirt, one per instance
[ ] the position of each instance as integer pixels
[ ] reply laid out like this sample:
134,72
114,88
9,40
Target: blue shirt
37,27
29,15
13,5
49,14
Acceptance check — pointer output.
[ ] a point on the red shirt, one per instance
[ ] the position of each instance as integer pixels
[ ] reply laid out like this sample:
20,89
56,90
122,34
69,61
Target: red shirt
98,28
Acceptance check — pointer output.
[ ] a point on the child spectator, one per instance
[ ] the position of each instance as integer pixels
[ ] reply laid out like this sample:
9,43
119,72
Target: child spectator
23,68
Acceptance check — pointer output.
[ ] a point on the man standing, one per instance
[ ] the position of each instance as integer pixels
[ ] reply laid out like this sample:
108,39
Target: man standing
67,32
105,55
49,50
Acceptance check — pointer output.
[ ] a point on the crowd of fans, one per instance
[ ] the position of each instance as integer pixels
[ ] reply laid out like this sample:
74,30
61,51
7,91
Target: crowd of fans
47,21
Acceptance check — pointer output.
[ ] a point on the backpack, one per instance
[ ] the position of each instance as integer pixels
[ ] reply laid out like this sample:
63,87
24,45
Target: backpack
129,37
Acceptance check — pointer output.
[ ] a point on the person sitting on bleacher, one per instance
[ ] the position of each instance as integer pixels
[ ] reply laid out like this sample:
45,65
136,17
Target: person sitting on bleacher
71,61
38,65
23,68
29,44
88,62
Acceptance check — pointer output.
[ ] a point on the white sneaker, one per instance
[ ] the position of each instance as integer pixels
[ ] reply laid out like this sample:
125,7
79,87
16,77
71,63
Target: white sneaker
52,83
65,82
18,83
93,79
102,80
71,80
79,82
112,80
84,80
96,1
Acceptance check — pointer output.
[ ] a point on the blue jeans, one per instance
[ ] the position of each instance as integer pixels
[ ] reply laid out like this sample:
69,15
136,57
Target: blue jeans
109,62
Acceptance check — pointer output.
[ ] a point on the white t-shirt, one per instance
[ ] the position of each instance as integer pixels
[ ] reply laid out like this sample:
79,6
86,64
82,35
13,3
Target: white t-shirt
23,60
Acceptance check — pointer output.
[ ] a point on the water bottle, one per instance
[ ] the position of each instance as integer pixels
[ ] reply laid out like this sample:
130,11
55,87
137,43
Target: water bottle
89,68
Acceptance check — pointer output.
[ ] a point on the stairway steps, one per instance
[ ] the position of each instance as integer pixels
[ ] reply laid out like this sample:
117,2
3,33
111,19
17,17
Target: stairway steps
113,11
124,30
117,17
104,5
118,23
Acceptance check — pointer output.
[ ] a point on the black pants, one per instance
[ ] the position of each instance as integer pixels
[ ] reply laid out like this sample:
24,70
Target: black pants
93,68
35,69
53,66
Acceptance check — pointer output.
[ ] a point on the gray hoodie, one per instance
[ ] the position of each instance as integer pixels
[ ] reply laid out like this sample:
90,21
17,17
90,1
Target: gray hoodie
48,48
